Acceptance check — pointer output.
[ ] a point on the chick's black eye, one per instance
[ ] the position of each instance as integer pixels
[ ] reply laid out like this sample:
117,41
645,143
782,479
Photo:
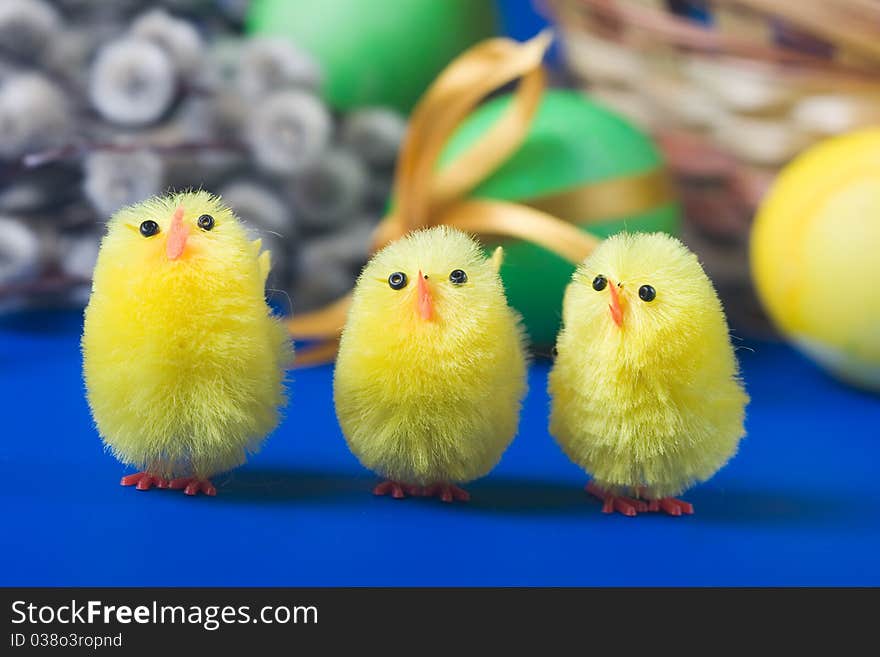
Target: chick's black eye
458,277
149,228
397,280
599,283
206,222
647,293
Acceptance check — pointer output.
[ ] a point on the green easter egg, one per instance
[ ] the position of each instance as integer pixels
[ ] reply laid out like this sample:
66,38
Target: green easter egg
382,52
572,142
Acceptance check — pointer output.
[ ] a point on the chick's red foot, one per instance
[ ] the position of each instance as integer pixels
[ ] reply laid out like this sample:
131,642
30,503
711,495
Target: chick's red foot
396,490
628,506
193,486
671,506
447,493
144,481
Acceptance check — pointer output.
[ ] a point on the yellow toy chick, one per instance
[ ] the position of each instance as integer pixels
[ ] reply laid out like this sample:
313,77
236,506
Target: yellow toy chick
431,367
183,361
645,389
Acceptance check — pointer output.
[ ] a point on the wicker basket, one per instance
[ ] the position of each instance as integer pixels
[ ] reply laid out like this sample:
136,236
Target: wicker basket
730,99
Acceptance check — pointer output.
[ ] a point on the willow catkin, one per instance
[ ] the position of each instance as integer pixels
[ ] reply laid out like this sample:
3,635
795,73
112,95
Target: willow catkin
69,54
139,97
220,70
267,217
27,27
260,205
132,82
34,114
176,37
22,196
192,121
330,190
287,131
78,253
375,134
114,180
234,10
271,64
48,187
230,114
205,169
320,281
330,263
7,70
379,188
347,247
19,251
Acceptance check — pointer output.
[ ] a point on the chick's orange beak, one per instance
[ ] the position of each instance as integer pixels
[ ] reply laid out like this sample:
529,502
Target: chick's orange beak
424,302
614,306
177,236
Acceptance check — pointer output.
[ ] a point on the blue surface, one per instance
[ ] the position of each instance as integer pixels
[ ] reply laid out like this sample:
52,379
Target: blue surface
800,504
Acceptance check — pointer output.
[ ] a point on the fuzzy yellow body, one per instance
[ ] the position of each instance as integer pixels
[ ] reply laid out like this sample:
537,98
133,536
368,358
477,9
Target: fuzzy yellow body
654,404
183,361
426,401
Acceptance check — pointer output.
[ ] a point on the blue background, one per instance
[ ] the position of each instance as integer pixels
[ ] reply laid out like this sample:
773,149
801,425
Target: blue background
800,504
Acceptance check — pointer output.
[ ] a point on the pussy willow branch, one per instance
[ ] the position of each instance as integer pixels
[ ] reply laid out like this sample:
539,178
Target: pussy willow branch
73,151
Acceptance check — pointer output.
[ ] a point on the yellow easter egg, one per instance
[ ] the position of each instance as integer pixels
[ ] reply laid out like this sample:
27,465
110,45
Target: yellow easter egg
815,255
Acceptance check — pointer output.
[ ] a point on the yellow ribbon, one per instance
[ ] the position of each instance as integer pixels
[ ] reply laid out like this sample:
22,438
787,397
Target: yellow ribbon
605,200
424,196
